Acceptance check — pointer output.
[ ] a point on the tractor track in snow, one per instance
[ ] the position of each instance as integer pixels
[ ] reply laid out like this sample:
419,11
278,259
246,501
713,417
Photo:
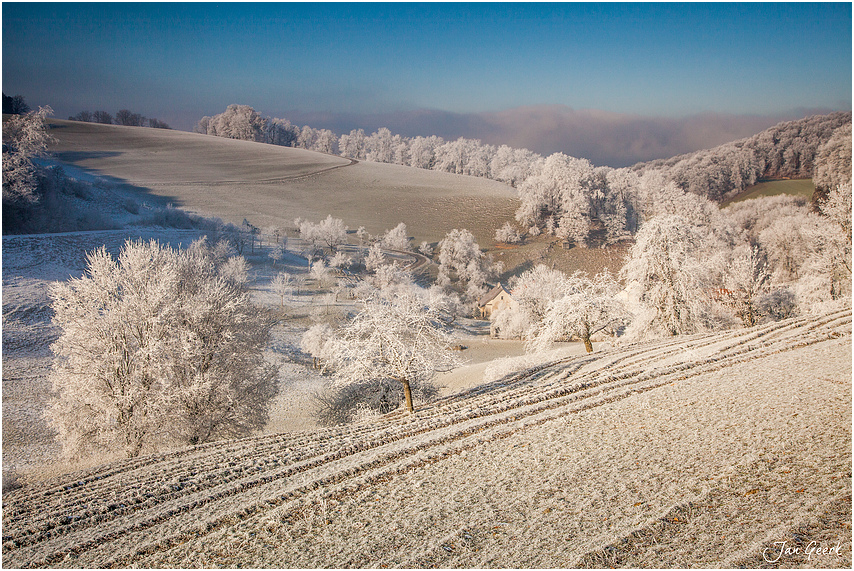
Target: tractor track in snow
276,180
116,514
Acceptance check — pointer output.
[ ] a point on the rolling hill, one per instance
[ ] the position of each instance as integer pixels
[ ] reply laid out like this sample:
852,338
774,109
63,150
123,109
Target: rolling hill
272,185
693,451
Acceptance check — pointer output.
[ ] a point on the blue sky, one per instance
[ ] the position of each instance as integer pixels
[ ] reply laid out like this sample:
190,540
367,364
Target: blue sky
345,63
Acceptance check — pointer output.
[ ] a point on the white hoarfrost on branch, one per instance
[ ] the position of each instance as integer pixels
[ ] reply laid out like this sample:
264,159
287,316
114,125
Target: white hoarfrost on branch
24,138
282,285
663,262
400,339
589,308
533,291
158,347
396,238
746,280
328,233
461,256
508,234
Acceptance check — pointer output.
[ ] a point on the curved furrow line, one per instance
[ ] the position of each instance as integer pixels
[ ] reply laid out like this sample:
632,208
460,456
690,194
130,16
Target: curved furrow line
206,458
50,552
611,359
654,374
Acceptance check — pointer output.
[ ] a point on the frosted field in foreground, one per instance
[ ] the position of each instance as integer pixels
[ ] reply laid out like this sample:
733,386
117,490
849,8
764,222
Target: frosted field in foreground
696,451
270,185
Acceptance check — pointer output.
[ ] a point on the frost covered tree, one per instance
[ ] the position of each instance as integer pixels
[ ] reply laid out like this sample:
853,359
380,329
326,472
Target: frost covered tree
560,197
282,285
25,137
318,341
237,122
590,308
746,281
537,288
157,347
321,274
786,243
396,238
508,234
663,263
219,378
400,339
461,256
534,291
375,258
328,233
277,252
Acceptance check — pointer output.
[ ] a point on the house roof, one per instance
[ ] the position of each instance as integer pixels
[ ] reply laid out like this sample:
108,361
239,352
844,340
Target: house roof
491,294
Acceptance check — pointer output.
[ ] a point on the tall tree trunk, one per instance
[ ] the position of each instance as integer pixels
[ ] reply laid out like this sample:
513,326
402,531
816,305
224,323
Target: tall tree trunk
407,392
587,344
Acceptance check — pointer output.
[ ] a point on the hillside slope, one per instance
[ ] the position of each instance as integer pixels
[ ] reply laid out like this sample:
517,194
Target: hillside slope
694,451
269,185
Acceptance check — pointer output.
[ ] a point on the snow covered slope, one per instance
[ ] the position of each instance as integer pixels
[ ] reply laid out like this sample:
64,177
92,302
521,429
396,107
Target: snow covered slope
694,451
268,184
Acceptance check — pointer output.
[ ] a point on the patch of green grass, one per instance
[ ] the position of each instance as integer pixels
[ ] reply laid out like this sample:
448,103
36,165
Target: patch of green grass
796,187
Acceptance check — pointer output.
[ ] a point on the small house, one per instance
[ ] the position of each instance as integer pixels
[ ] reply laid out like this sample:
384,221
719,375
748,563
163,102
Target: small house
495,299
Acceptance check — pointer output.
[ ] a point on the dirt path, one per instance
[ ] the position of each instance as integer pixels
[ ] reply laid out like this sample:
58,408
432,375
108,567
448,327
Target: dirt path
742,435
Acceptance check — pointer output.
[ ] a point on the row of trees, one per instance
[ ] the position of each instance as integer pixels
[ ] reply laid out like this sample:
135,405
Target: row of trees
123,117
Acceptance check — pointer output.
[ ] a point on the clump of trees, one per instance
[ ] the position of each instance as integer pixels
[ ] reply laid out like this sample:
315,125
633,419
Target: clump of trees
399,338
552,306
508,234
463,265
589,307
15,105
158,347
329,233
123,117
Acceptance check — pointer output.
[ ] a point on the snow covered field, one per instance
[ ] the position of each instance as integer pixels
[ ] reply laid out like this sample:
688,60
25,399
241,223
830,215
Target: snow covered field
269,185
696,451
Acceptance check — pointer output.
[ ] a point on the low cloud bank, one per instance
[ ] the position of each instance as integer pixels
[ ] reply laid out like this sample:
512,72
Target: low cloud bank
603,137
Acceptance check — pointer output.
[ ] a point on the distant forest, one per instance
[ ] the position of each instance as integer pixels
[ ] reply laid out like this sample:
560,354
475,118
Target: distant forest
570,197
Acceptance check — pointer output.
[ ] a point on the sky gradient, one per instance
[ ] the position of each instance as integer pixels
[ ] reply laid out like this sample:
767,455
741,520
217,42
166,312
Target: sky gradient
345,65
